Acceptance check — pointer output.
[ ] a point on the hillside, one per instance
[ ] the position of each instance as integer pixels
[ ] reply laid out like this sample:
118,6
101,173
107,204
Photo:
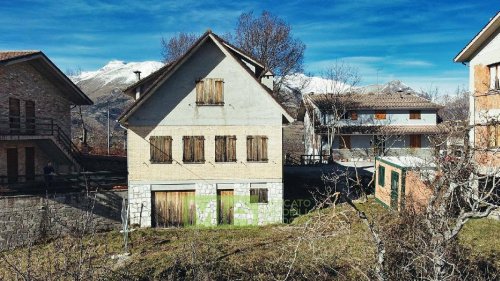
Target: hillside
326,245
104,87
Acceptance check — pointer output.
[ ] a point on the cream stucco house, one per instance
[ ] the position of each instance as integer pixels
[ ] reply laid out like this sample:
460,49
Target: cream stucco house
204,141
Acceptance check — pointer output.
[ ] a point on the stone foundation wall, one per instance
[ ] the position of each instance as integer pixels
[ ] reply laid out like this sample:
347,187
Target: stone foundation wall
29,219
245,213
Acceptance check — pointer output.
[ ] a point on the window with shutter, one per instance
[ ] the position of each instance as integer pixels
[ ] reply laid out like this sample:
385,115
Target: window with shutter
210,91
258,195
160,149
494,76
345,142
415,141
225,149
354,115
257,149
194,149
380,114
415,114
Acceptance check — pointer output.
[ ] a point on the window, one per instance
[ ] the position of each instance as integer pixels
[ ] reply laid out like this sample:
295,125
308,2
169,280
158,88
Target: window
258,195
225,148
210,91
257,148
415,141
494,76
415,114
194,149
381,175
160,149
354,115
493,136
380,114
345,142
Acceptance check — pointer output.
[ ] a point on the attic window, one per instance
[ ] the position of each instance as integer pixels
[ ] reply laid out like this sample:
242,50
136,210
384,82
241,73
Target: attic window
210,91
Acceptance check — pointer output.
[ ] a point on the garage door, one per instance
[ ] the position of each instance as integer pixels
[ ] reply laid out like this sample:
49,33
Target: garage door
174,208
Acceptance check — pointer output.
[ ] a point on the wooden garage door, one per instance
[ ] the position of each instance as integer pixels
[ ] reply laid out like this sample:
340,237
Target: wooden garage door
174,208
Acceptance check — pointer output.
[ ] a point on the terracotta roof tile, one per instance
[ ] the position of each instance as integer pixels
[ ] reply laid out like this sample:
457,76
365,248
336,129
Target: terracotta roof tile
8,55
372,101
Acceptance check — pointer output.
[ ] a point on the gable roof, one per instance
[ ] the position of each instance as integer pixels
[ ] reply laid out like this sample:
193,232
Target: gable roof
470,49
47,68
372,101
156,79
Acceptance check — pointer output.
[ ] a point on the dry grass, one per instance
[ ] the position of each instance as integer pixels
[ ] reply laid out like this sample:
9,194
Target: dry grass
331,243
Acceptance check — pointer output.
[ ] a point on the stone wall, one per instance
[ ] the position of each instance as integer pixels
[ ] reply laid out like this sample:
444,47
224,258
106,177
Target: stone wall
245,213
29,219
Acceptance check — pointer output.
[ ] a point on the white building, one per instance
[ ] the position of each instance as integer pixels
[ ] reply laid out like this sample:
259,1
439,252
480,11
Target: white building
360,126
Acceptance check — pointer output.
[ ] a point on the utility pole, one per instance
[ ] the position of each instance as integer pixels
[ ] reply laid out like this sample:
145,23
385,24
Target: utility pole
108,130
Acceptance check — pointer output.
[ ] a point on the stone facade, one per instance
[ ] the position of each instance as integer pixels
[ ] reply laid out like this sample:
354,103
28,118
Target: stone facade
23,82
28,219
245,213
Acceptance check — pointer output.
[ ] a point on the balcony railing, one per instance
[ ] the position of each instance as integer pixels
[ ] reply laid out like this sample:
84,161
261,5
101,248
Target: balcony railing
25,126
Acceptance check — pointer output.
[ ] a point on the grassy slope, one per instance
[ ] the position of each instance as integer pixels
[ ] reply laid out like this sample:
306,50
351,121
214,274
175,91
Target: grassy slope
335,243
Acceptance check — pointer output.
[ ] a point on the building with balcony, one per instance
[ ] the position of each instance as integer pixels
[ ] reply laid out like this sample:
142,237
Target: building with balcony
35,119
358,127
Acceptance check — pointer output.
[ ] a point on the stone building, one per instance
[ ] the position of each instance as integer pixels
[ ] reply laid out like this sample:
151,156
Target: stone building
204,141
482,55
35,120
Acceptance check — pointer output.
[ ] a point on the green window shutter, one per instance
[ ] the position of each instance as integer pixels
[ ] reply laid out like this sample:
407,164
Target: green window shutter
381,175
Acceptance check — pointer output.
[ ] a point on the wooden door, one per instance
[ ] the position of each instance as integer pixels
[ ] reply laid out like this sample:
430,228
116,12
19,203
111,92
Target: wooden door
174,208
415,141
14,115
12,165
29,153
30,117
225,206
394,189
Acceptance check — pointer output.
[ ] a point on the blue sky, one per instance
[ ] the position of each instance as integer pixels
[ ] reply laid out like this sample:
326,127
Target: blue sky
413,41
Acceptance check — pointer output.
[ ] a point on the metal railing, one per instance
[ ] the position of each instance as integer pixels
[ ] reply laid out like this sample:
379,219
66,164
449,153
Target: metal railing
26,126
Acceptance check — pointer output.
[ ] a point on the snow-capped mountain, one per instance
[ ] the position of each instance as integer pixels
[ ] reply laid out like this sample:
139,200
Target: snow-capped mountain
104,87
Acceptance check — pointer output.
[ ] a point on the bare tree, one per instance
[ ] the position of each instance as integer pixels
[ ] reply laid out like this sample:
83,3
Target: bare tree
456,107
269,39
174,47
422,242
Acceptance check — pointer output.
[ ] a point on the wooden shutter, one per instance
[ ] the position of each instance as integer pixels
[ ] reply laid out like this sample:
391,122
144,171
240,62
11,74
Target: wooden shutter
481,79
415,141
14,114
380,114
160,149
200,90
263,147
220,149
354,115
219,91
231,149
250,148
188,155
345,142
415,114
199,149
